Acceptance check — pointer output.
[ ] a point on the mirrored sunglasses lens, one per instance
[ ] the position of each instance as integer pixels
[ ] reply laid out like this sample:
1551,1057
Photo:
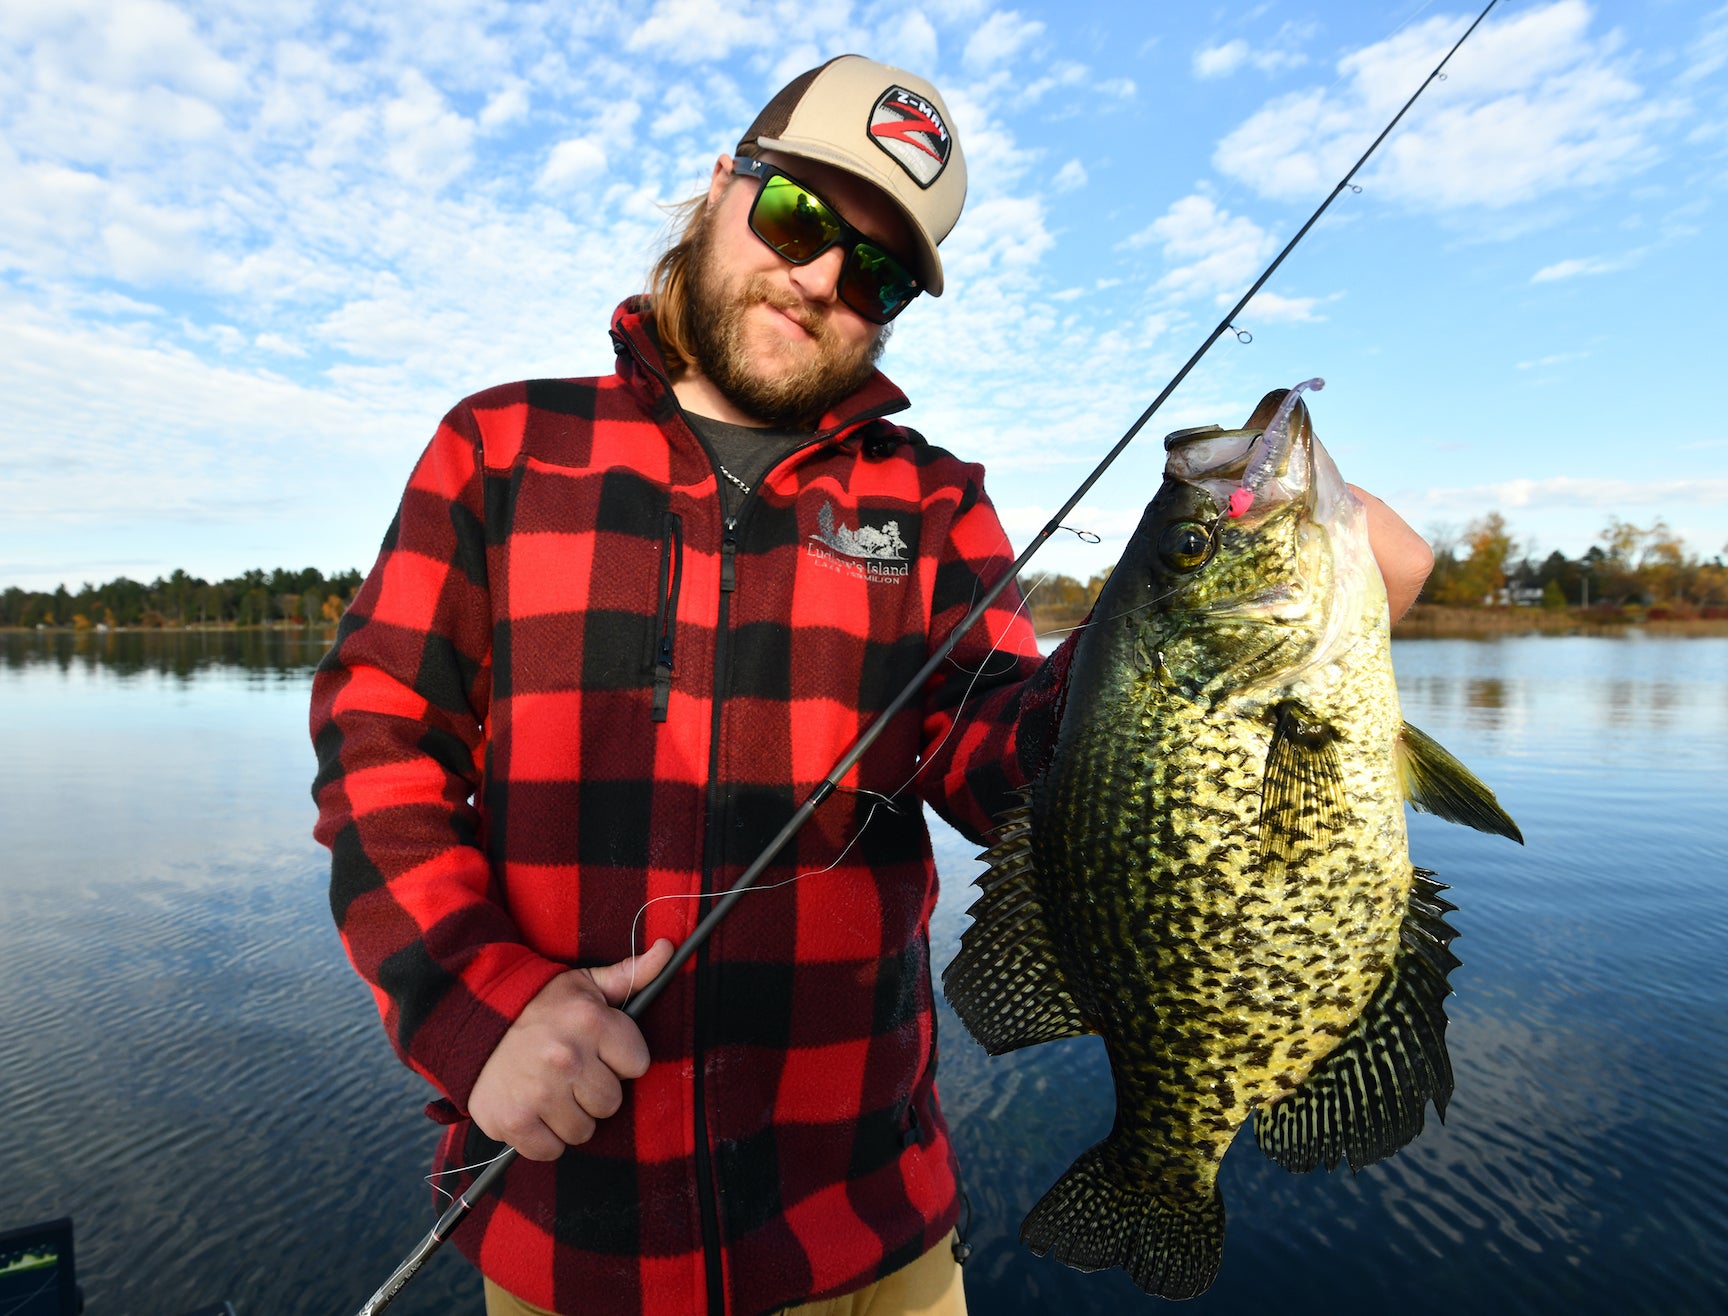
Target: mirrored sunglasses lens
792,221
875,284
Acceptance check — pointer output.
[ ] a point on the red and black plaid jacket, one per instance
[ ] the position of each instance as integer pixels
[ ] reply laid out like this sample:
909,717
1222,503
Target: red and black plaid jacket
569,688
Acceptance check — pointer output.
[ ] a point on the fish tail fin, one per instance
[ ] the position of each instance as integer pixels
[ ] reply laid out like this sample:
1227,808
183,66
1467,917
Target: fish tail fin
1094,1218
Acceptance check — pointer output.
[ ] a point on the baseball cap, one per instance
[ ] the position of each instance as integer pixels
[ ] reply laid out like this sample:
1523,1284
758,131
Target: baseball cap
884,125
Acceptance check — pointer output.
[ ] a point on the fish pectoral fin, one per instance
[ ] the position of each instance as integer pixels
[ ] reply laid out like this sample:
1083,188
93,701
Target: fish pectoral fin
1366,1098
1302,792
1006,983
1094,1217
1435,782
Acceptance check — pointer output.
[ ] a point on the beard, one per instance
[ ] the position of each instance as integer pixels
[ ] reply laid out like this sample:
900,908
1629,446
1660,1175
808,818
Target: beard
794,398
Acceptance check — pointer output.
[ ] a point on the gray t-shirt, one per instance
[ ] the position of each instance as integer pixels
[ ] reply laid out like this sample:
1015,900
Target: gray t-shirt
748,453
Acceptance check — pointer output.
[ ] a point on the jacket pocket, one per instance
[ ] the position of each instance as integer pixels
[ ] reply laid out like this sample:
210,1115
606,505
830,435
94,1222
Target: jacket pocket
666,613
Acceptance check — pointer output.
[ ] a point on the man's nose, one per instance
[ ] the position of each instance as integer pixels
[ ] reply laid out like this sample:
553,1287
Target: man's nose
819,281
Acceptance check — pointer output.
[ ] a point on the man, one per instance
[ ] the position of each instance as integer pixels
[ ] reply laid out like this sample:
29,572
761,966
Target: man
620,629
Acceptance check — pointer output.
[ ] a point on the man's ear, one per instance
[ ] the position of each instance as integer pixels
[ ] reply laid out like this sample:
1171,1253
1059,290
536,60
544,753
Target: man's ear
719,179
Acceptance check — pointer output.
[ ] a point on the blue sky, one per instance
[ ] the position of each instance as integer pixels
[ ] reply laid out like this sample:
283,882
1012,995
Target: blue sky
250,252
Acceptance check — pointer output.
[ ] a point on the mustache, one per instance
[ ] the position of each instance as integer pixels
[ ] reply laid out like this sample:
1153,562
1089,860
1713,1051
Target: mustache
760,288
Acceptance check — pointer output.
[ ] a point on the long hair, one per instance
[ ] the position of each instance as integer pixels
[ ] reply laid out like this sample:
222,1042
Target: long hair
669,284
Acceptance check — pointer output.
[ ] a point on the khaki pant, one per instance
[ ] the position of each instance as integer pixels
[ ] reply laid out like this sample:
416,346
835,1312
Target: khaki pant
930,1286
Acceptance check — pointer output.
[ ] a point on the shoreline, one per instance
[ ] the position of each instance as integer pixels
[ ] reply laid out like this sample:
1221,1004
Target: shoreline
1430,621
1425,621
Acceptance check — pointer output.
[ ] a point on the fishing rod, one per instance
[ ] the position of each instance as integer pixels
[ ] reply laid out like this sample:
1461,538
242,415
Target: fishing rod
494,1170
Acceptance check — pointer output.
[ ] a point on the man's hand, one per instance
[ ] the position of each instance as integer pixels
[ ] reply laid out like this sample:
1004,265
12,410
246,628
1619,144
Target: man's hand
1403,555
561,1066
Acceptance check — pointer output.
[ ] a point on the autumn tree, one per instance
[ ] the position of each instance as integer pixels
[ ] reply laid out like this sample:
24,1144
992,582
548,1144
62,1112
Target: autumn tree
1471,569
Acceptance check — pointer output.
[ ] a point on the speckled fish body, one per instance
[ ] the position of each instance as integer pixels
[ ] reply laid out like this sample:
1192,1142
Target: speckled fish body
1212,870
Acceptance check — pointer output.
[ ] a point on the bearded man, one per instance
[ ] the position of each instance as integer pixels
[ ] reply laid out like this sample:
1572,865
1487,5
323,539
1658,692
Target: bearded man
621,628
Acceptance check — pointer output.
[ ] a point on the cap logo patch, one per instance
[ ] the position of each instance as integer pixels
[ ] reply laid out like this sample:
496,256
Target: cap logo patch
911,130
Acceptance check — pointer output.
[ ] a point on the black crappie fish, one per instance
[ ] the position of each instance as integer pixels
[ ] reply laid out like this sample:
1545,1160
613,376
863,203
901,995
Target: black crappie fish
1211,871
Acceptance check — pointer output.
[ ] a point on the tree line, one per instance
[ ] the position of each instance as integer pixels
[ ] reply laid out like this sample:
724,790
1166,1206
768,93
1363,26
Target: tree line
253,598
1484,565
1629,566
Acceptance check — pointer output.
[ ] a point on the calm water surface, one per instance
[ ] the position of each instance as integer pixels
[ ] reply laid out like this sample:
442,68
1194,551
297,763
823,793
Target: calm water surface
189,1068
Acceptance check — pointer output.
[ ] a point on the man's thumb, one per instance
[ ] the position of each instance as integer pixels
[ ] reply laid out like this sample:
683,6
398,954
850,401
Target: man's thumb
618,982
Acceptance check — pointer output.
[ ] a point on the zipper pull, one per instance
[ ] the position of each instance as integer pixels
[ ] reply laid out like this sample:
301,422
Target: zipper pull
728,555
663,679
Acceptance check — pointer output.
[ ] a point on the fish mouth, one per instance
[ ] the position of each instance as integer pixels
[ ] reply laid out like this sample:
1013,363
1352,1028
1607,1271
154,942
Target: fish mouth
1253,472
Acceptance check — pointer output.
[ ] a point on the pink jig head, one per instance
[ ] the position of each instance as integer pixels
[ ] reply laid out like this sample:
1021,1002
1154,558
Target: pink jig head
1274,444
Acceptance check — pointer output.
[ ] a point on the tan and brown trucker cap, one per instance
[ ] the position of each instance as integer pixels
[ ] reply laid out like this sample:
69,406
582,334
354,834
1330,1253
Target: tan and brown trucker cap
883,124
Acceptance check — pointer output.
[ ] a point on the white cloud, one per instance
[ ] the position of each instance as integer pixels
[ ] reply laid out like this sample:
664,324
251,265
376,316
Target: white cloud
572,162
426,142
1571,269
124,43
1281,53
693,31
906,40
1571,492
1709,52
1217,61
506,106
1269,307
1553,359
279,345
1067,73
1532,105
1001,36
683,111
1208,250
1070,176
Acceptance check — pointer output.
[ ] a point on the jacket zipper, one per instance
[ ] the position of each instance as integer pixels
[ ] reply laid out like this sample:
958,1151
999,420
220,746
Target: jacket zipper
728,555
713,846
713,857
671,577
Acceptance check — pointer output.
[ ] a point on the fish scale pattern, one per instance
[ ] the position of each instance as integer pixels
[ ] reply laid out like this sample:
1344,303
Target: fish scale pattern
1213,875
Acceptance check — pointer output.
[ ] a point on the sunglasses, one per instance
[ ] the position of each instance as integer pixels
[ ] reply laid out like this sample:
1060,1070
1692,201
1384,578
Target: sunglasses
800,225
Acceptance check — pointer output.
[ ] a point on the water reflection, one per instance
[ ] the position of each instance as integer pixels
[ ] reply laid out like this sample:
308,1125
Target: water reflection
180,1013
1489,693
181,654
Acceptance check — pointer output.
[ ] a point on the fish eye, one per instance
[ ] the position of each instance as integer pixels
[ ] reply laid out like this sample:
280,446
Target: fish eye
1185,546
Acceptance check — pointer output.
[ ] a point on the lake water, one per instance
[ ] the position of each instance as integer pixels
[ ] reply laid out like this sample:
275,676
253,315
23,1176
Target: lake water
189,1068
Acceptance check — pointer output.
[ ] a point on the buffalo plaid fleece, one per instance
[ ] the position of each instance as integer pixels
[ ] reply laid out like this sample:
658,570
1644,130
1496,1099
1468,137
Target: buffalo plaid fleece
569,701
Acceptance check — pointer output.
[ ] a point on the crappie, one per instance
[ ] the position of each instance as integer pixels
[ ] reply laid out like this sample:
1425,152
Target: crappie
1211,870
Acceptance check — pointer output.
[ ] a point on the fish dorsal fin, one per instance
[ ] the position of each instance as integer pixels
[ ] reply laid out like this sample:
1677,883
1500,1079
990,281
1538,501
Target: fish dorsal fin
1302,793
1006,983
1365,1099
1435,782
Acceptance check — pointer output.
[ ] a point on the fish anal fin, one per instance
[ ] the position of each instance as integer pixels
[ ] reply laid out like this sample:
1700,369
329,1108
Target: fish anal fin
1094,1218
1006,983
1302,791
1435,782
1366,1098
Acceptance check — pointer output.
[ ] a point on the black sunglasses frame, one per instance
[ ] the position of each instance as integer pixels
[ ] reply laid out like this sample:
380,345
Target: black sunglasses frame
848,237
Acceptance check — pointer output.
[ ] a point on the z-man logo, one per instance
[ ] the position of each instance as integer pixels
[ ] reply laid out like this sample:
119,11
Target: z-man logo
911,130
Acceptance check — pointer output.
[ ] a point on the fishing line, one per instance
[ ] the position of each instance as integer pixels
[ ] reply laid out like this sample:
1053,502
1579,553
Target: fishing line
772,886
459,1209
888,801
459,1169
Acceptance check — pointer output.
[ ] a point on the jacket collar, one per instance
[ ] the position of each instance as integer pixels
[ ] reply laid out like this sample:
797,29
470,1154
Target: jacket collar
637,344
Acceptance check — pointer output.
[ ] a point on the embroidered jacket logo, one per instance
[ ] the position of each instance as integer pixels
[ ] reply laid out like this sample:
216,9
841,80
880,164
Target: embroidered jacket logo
874,552
866,541
911,130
